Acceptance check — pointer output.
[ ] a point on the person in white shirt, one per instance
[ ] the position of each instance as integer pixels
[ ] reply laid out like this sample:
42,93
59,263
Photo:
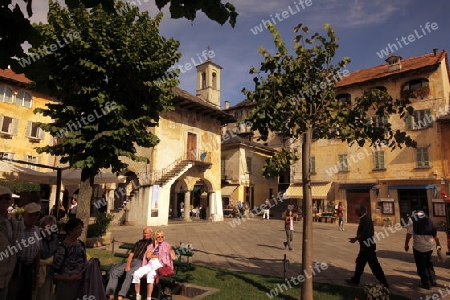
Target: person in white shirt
424,234
73,209
266,210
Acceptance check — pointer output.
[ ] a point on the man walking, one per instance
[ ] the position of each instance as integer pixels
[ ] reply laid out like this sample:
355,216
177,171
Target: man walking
424,234
367,247
134,262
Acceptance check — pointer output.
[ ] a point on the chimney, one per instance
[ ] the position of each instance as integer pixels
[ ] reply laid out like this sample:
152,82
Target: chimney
394,63
435,50
227,104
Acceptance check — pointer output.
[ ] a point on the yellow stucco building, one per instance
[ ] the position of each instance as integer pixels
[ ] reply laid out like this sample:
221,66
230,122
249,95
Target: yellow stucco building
184,169
390,183
20,134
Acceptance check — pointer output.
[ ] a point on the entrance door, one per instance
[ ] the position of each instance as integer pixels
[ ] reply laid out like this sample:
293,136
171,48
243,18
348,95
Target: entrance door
191,146
410,200
354,198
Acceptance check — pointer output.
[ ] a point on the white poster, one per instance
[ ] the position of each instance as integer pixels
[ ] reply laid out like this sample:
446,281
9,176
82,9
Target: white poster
155,198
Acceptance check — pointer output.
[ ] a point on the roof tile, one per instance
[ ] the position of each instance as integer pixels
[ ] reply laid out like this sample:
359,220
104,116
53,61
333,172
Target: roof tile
10,75
381,71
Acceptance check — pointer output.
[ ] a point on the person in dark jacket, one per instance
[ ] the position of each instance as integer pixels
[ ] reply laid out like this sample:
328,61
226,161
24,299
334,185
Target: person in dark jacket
367,247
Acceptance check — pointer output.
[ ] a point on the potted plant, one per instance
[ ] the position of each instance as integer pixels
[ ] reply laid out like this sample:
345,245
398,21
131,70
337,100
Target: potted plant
19,213
422,92
376,292
97,233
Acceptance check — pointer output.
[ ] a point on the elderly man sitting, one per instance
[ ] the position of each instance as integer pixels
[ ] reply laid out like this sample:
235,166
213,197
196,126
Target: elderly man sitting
134,261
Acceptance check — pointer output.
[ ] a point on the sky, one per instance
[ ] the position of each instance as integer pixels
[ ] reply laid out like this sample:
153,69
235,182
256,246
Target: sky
363,27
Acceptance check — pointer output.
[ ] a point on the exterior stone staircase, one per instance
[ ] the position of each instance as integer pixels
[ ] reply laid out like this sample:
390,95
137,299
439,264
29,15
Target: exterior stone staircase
180,166
175,172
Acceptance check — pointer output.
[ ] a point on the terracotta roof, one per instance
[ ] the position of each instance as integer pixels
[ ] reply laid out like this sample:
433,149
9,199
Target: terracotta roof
444,119
243,103
237,140
408,65
191,102
10,75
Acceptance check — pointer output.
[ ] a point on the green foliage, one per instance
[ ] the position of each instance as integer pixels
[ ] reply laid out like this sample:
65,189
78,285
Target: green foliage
15,27
376,292
279,162
19,213
18,187
101,225
213,9
108,82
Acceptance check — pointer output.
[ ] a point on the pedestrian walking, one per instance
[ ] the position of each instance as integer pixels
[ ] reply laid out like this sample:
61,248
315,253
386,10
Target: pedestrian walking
424,234
340,213
266,210
367,247
289,227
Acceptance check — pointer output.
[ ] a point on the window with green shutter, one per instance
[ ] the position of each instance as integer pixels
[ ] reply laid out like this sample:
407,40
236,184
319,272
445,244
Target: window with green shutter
421,119
378,160
423,157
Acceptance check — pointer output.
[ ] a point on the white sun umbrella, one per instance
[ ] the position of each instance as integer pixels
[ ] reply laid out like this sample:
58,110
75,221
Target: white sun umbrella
73,177
10,171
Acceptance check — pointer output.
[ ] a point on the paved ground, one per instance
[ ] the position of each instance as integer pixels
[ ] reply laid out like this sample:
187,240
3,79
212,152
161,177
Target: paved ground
256,245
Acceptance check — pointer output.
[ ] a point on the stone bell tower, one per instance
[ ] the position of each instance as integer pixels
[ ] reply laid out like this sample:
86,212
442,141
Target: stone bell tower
208,82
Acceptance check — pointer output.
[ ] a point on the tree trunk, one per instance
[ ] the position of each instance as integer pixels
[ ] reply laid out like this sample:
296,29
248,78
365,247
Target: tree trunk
84,199
307,246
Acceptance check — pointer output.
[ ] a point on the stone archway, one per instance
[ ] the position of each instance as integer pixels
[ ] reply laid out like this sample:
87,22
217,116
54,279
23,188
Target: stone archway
198,195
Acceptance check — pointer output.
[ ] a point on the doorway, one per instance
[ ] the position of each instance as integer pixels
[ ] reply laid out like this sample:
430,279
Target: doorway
191,146
410,200
355,198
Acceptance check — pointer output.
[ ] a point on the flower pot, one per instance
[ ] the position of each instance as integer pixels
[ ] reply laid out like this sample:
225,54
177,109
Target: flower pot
106,239
92,242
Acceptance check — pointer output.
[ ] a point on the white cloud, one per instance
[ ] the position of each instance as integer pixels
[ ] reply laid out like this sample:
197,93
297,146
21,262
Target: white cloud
338,12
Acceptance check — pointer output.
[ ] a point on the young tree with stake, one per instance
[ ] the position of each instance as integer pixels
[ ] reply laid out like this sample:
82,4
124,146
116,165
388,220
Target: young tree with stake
294,95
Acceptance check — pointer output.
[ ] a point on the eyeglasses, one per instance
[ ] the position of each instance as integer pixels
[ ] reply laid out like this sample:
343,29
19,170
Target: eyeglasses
160,237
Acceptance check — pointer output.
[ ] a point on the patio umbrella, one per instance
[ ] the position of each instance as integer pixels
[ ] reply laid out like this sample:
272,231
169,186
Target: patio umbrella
73,177
10,171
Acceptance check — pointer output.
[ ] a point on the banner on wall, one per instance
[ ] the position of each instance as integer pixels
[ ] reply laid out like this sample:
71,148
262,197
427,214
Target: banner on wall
154,203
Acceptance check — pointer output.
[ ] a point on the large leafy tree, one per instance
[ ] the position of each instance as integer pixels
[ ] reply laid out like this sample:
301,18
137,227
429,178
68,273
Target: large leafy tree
15,27
106,80
295,95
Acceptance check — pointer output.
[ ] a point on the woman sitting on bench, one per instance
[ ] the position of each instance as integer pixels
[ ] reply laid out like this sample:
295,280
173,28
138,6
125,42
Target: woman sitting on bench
159,254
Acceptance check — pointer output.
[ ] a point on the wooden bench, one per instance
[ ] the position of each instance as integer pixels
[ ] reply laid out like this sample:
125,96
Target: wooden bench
168,284
324,219
105,269
183,263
